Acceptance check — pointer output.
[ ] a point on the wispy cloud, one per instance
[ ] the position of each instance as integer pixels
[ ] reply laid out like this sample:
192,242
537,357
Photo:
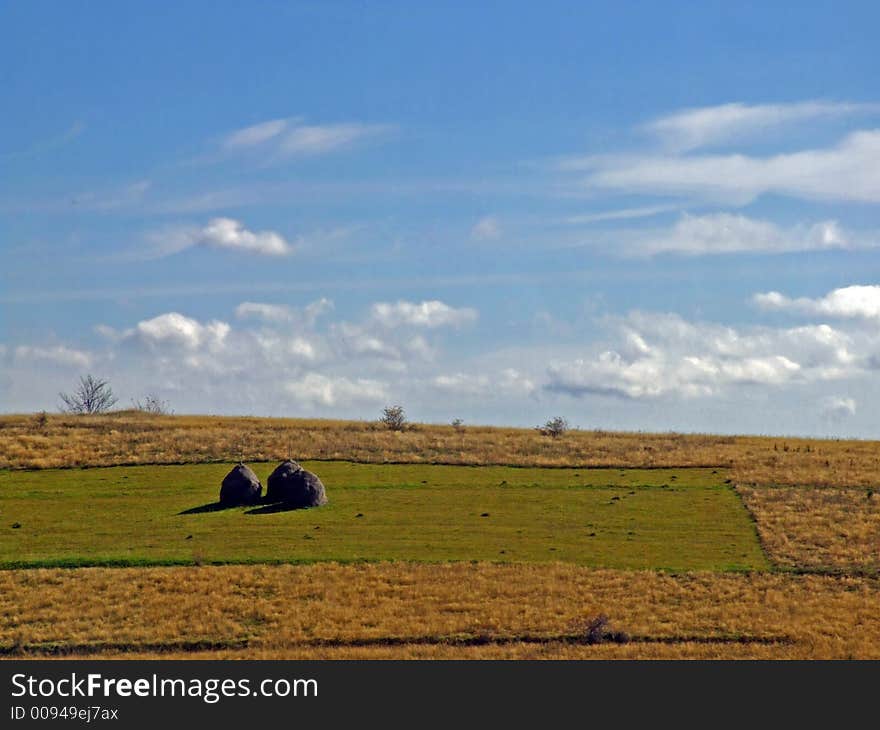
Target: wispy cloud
847,171
293,137
725,233
647,211
429,314
486,229
58,355
255,134
704,126
277,313
47,145
838,408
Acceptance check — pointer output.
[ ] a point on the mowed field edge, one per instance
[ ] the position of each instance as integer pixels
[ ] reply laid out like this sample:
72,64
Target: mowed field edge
668,519
446,610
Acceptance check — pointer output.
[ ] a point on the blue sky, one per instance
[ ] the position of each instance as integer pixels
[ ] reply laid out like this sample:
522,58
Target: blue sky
642,216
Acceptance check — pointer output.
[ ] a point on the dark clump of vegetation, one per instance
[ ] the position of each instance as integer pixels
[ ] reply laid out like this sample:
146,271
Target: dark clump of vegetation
153,405
394,418
597,632
41,421
555,427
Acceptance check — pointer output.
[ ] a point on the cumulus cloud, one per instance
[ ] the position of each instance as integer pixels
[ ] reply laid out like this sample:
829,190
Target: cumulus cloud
219,233
176,330
847,171
231,234
663,354
430,314
486,229
323,390
847,302
699,127
293,137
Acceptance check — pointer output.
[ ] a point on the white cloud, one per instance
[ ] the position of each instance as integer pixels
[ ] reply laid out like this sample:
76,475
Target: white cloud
58,355
255,134
659,355
509,382
621,214
231,234
276,313
702,126
292,137
429,314
837,408
222,233
848,171
266,312
723,233
314,139
322,390
485,229
176,330
848,302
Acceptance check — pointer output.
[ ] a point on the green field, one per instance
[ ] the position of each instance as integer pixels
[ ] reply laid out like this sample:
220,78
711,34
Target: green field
684,519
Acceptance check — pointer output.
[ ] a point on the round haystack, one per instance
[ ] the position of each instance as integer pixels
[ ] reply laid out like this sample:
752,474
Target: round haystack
240,486
294,485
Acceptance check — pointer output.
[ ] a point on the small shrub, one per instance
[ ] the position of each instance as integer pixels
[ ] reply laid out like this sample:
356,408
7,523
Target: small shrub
41,421
597,632
458,424
394,418
554,428
153,405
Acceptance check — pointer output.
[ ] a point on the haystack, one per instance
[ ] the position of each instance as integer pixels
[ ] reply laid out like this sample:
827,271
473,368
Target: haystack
292,484
240,486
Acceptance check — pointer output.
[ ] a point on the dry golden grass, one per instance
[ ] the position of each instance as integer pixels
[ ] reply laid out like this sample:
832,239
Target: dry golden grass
134,438
817,528
406,610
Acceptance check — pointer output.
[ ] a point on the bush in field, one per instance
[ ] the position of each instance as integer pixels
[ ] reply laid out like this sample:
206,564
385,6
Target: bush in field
555,427
41,421
91,396
458,424
153,405
394,418
597,631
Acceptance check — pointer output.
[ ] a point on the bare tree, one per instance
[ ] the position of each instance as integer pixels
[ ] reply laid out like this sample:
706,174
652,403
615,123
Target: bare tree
394,418
92,395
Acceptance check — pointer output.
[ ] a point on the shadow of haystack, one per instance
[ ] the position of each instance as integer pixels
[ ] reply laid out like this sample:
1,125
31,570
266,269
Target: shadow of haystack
212,507
273,507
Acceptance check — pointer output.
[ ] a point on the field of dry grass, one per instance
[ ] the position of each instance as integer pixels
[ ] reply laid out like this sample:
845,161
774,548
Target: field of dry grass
134,438
810,528
407,610
813,502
